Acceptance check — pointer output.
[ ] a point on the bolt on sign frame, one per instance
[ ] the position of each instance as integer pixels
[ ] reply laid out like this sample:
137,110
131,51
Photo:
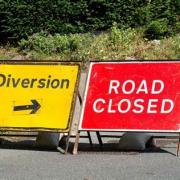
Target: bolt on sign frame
38,96
131,96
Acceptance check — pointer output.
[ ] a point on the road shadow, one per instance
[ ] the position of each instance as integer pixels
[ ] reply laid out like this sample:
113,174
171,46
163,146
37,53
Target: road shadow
25,145
106,148
112,148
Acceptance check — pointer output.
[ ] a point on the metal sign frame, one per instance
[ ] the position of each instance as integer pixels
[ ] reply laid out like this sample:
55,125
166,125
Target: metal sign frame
34,129
75,148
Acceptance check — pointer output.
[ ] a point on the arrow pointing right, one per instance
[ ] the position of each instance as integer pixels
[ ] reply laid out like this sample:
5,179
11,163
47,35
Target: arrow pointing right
35,106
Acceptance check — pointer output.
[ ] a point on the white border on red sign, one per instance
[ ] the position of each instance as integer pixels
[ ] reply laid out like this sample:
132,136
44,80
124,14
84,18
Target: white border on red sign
119,130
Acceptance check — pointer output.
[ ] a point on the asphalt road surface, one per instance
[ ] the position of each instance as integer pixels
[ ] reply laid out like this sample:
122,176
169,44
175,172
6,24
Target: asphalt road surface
28,163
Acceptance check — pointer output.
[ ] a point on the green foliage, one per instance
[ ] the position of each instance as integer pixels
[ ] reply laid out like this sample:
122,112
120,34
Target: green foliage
121,37
48,44
21,18
103,13
118,44
157,29
165,16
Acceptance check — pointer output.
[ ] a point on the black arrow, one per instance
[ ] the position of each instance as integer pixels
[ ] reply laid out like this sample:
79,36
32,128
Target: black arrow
35,106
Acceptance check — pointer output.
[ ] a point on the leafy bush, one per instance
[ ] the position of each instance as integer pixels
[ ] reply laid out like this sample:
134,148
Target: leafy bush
157,29
20,18
122,37
48,44
165,16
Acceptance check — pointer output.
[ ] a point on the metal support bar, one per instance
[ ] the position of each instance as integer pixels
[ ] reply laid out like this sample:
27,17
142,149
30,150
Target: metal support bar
67,143
89,136
75,149
99,138
177,153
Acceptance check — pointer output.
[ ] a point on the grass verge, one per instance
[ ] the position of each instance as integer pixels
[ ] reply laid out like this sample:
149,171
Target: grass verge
117,44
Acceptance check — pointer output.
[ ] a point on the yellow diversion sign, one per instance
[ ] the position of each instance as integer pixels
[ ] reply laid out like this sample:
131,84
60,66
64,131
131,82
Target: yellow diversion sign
37,96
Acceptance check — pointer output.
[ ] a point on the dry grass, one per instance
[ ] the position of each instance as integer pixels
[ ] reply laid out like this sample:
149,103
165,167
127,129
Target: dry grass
114,45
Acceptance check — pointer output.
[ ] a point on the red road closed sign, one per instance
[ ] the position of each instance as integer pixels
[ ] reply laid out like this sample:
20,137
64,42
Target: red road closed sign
132,96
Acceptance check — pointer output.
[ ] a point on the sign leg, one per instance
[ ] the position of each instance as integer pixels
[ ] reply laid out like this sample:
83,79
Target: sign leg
99,138
89,136
177,153
67,143
75,149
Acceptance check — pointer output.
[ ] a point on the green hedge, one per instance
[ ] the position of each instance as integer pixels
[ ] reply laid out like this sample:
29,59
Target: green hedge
21,18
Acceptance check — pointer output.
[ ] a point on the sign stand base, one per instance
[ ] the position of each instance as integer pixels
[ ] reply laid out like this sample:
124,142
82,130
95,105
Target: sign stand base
75,148
77,137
